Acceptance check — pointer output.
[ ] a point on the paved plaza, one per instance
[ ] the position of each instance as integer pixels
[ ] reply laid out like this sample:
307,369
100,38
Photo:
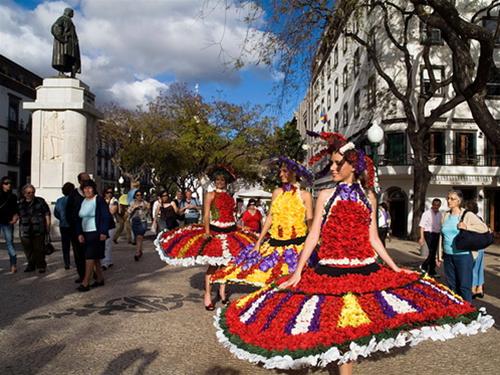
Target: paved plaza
149,319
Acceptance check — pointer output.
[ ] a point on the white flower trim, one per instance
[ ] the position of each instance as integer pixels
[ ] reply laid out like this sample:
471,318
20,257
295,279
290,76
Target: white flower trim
198,260
222,224
346,147
348,262
305,317
412,338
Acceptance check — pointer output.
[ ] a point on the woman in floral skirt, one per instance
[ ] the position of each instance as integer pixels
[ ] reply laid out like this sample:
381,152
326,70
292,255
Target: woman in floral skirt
290,215
351,304
215,242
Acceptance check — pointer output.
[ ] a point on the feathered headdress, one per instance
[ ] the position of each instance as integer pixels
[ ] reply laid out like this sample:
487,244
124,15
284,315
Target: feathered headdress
223,169
336,142
294,166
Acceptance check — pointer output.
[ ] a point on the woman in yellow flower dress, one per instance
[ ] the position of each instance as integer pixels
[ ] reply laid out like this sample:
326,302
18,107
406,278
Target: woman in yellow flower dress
290,215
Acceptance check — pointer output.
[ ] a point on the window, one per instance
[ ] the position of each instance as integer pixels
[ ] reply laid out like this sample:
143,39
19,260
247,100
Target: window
345,116
355,22
437,149
356,104
430,35
356,63
425,81
345,78
329,126
336,56
492,154
491,25
493,84
328,70
329,98
13,112
336,89
345,43
372,92
395,148
336,123
465,148
12,154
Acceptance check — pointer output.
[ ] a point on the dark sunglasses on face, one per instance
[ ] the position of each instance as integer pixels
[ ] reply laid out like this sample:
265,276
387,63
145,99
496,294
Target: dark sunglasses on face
6,183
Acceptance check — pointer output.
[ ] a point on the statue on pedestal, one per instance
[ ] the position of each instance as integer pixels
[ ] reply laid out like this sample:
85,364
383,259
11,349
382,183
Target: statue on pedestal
66,52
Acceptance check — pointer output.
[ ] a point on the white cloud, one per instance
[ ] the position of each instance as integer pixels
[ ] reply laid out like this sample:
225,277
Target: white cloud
129,45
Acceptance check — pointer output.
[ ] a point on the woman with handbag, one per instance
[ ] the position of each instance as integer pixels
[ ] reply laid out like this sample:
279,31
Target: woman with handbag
478,266
458,264
138,213
92,229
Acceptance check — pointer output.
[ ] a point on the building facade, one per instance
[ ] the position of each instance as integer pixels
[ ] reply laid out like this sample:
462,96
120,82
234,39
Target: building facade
346,94
17,85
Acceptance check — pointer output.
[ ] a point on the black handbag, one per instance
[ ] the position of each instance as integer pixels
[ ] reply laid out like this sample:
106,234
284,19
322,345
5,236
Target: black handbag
48,247
472,241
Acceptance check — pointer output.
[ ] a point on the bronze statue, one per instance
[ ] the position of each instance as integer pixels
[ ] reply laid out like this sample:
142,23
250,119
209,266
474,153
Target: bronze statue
66,52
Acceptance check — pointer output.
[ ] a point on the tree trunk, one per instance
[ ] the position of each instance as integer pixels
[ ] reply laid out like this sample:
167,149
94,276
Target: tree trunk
421,180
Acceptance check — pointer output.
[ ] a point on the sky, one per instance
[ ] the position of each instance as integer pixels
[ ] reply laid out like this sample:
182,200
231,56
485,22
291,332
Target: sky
132,50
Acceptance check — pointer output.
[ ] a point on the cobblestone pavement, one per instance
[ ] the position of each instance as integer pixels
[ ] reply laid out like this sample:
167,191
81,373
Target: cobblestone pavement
149,319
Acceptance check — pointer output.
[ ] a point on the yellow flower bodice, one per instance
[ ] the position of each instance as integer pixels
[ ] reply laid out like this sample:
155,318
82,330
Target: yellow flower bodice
288,216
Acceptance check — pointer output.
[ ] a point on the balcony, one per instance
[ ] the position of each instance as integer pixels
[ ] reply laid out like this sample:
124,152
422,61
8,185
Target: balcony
442,159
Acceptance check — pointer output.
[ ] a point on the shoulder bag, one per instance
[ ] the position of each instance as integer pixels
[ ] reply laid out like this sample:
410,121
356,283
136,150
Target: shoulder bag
472,241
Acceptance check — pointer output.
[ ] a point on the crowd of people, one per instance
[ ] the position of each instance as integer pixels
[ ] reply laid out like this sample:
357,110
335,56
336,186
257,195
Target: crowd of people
327,289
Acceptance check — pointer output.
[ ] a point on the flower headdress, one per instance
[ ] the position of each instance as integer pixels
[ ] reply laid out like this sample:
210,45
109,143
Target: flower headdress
225,170
294,166
335,142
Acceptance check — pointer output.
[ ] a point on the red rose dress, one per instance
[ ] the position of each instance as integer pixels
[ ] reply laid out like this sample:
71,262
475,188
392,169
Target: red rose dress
349,306
277,256
188,245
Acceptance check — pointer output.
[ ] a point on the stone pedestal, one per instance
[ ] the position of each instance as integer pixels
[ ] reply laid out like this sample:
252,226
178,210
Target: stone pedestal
64,135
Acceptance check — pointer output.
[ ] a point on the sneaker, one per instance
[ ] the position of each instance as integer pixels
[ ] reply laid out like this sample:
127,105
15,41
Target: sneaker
104,268
97,284
29,269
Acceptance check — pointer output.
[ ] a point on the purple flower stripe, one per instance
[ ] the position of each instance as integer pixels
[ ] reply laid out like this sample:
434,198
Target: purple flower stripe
291,323
252,319
269,262
314,326
386,308
276,310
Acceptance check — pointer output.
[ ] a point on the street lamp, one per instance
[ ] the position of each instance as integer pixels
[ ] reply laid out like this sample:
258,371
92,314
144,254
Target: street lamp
375,136
121,181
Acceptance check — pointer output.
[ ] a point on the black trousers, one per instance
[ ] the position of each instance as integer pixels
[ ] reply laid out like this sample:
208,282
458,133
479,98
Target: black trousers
79,254
66,244
432,240
34,249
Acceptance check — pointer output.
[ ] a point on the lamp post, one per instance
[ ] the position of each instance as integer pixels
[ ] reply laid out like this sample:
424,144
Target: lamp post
375,136
121,181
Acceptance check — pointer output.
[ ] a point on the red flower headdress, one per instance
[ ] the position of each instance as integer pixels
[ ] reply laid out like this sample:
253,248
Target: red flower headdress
336,142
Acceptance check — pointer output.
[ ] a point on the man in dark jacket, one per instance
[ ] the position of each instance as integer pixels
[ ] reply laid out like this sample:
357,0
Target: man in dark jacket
8,217
75,200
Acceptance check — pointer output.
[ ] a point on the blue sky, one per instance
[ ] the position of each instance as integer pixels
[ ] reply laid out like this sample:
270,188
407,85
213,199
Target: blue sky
131,52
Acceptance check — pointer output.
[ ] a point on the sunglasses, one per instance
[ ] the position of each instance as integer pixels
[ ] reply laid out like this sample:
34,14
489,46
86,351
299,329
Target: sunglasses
6,183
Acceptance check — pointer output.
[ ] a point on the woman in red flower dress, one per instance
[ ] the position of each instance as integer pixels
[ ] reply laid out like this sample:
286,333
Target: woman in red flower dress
351,304
215,242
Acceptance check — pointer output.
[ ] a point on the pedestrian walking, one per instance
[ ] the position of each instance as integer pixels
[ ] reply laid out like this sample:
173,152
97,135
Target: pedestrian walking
430,232
112,203
64,227
138,213
213,243
165,215
73,205
252,218
92,230
384,221
122,221
8,217
458,264
478,263
179,196
190,208
352,303
34,226
287,224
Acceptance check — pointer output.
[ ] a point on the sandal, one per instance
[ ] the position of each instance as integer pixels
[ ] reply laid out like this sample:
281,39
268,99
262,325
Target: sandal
210,307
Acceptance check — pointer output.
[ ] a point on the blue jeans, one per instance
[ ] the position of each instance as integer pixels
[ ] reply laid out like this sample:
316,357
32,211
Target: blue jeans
478,270
8,234
458,272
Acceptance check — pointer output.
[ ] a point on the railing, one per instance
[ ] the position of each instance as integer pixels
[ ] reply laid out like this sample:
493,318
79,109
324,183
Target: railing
443,159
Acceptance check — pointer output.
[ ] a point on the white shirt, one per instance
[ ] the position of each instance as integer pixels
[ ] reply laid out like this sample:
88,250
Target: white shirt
431,221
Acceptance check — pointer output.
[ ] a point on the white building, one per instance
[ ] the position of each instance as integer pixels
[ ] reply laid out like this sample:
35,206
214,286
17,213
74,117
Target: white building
347,89
17,85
